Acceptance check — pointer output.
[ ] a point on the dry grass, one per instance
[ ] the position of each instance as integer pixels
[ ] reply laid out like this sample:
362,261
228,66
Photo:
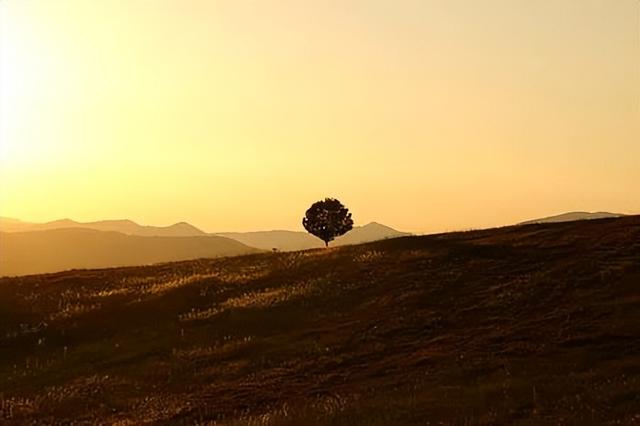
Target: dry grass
521,325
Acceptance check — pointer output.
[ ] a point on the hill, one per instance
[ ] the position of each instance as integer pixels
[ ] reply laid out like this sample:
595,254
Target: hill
518,325
573,216
292,240
61,249
124,226
13,225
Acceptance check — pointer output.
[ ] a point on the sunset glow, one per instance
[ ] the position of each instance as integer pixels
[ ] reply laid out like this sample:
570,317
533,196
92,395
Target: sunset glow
427,115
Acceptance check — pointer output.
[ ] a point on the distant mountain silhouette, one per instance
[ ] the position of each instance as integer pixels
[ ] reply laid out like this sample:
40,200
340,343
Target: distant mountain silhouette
372,232
292,240
8,224
128,227
572,216
54,250
282,240
266,240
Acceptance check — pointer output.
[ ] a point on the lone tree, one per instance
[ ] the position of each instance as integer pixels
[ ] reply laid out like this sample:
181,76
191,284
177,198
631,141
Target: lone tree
327,220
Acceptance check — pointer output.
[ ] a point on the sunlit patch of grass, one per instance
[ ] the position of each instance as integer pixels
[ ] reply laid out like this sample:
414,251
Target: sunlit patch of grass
164,286
155,286
294,259
13,406
50,397
212,350
158,408
315,412
74,309
222,276
255,299
200,314
72,303
268,297
122,291
368,256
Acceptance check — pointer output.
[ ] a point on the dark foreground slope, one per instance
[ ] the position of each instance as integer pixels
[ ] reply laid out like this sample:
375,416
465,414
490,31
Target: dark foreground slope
529,325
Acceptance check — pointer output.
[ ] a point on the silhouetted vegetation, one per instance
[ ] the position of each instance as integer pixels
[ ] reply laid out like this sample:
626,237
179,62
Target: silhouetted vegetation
327,220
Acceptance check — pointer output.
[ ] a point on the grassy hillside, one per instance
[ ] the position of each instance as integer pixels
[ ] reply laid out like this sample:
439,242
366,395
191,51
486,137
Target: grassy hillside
531,325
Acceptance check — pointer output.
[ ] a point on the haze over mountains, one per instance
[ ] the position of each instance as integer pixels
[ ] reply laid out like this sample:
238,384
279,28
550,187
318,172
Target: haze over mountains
51,250
128,227
266,240
34,248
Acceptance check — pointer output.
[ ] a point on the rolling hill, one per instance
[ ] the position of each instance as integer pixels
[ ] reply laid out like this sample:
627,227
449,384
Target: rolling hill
292,240
13,225
517,325
54,250
573,216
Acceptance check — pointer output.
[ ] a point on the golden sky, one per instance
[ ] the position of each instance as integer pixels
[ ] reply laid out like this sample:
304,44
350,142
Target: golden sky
426,115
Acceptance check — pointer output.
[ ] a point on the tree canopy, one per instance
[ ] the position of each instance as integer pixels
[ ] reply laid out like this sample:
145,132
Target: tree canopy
327,219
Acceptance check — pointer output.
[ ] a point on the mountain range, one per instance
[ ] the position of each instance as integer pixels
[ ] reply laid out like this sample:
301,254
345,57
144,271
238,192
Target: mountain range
292,240
128,227
34,248
52,250
265,240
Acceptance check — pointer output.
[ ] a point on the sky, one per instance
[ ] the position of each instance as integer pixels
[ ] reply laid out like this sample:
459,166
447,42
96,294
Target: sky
425,115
